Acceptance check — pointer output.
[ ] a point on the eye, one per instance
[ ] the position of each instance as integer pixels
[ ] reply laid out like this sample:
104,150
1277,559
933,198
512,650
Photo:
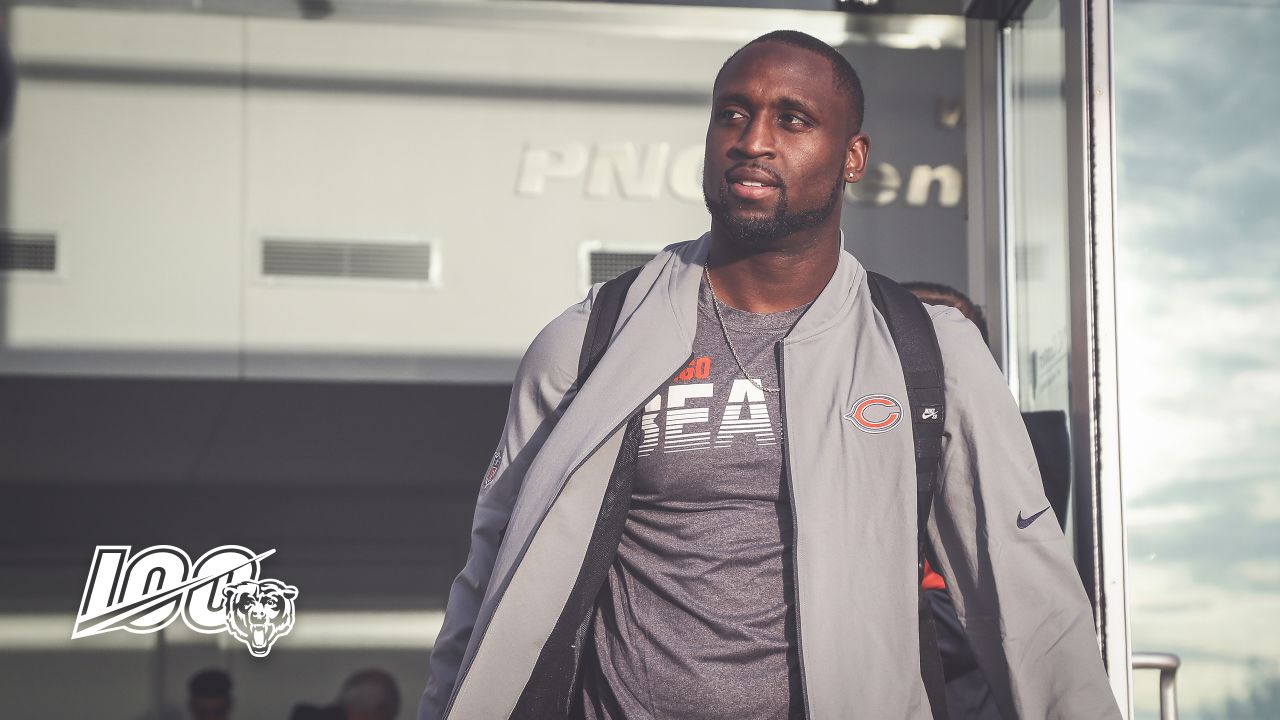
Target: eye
793,120
729,115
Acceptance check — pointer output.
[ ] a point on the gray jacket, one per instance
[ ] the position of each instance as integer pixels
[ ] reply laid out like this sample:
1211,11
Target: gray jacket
1016,591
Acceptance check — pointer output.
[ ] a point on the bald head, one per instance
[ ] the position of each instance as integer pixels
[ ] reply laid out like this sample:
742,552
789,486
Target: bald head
844,77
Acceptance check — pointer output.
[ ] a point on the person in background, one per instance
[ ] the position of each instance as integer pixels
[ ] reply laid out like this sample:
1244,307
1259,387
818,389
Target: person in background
933,293
367,695
1047,429
209,695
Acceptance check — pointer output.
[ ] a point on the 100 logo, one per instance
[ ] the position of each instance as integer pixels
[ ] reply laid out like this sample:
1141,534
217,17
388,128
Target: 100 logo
146,591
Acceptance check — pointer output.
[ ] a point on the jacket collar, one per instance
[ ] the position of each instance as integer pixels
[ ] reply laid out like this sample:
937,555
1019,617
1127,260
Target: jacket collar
835,301
656,329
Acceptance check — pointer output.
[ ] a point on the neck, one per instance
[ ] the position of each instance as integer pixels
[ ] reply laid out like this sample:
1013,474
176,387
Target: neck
783,275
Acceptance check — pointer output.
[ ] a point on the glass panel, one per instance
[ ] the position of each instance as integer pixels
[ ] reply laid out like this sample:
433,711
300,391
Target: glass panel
1198,274
1036,173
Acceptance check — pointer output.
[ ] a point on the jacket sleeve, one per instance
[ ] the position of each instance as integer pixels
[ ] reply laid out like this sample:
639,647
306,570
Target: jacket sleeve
539,395
1015,587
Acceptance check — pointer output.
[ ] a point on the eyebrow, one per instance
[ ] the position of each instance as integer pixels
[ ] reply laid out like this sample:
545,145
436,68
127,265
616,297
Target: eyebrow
786,101
794,103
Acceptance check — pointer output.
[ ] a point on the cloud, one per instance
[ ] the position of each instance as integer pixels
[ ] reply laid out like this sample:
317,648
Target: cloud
1198,292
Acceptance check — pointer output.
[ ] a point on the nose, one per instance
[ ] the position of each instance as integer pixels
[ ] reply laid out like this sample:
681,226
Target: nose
755,141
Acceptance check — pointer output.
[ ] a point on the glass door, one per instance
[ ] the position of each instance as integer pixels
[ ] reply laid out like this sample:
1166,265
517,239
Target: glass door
1056,188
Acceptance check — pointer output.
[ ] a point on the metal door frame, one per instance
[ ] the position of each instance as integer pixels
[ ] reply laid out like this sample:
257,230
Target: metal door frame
1097,526
1100,541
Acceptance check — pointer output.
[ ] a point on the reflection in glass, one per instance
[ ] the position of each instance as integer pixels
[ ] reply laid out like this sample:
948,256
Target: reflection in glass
1039,318
1198,274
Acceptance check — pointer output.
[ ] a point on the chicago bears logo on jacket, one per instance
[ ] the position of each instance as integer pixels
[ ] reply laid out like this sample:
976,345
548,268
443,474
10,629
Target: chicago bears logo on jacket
875,413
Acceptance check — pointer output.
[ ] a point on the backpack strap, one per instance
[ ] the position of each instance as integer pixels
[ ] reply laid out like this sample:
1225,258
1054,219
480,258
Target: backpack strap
913,334
605,310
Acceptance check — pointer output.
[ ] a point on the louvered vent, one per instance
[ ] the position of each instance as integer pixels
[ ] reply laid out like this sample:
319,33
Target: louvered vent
294,257
37,252
609,265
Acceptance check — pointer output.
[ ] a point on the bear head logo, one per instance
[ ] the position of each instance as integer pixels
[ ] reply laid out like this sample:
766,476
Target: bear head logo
259,612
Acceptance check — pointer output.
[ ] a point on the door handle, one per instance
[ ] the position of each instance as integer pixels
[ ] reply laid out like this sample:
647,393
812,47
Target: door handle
1167,664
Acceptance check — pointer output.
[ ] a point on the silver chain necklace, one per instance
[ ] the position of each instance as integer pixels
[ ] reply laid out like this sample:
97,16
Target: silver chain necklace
715,304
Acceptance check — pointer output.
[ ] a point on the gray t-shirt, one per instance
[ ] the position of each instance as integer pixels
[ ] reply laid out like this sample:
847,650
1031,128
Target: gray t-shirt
697,617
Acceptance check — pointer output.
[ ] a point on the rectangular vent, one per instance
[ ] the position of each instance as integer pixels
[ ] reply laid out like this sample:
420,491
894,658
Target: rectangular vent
606,266
294,257
37,252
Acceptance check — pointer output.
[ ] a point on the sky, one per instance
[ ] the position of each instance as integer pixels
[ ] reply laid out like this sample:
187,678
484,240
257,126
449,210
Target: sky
1198,276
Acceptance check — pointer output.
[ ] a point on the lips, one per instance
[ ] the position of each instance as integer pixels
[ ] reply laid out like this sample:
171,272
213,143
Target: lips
752,183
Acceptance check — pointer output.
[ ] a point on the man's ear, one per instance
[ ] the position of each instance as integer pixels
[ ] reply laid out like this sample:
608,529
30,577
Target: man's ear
856,153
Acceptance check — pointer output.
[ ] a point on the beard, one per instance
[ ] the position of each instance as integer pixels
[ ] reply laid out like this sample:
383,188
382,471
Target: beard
760,233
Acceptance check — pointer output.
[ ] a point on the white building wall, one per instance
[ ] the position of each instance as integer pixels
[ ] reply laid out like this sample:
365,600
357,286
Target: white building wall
161,149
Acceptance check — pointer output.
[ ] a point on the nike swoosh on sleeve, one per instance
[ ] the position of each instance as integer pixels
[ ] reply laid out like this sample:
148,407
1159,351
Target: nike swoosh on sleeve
1024,524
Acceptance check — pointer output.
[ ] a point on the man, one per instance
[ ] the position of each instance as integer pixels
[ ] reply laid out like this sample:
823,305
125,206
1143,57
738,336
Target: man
719,522
933,293
367,695
209,695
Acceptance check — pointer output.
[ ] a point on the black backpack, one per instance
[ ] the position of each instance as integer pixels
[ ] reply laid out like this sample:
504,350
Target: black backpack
913,334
